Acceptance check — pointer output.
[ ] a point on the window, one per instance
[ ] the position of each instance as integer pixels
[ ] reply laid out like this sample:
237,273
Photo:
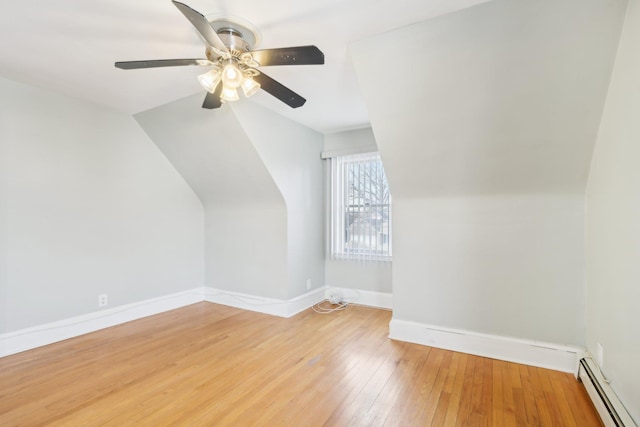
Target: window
360,209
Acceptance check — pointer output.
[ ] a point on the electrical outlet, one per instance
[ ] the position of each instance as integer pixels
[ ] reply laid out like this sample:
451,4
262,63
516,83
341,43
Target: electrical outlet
600,355
308,284
103,300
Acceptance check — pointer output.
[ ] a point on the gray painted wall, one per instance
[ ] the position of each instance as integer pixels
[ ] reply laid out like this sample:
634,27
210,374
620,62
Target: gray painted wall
504,265
486,139
4,222
246,248
245,231
92,207
260,178
613,226
291,153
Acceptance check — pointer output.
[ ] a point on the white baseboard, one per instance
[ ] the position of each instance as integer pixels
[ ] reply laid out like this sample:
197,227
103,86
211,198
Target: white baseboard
546,355
272,306
541,354
363,297
26,339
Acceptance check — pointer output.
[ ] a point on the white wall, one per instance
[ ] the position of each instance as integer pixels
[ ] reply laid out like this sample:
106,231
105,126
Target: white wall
348,274
486,139
291,153
613,225
92,207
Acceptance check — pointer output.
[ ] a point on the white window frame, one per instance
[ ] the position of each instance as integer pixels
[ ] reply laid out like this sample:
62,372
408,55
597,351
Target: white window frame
360,240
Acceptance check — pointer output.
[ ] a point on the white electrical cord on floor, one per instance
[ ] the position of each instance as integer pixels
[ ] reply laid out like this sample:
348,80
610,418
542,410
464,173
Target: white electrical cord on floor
323,309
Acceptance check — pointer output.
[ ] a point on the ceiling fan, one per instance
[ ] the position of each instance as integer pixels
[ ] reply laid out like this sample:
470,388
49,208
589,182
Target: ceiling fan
229,50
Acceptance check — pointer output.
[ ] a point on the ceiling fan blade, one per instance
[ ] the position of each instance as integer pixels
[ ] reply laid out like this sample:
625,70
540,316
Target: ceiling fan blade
212,100
202,25
298,55
155,63
281,92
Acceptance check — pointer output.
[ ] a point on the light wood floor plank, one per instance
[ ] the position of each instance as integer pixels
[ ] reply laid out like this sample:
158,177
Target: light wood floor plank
456,391
498,406
208,364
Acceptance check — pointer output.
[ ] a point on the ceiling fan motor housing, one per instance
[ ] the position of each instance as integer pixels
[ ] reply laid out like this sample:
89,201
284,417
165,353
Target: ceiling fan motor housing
232,38
238,37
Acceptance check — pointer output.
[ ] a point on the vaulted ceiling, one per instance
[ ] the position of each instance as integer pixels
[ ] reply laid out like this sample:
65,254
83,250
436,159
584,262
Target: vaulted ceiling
69,46
464,96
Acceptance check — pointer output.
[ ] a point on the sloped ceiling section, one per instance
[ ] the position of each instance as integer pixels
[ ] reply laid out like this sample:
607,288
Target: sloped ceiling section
211,151
245,213
503,97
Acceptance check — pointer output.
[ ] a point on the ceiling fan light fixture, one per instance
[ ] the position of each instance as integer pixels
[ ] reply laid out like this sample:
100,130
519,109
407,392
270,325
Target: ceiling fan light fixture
229,94
210,80
229,49
249,86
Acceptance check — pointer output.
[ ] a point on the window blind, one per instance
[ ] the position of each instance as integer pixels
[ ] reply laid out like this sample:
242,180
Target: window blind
360,209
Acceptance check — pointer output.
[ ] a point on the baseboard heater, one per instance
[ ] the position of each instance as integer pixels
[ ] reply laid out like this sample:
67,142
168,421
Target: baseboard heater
611,411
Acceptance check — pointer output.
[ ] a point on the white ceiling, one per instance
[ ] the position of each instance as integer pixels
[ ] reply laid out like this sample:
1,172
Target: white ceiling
69,47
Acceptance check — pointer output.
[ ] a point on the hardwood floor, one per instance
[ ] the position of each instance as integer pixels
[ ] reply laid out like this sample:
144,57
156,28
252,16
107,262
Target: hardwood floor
208,364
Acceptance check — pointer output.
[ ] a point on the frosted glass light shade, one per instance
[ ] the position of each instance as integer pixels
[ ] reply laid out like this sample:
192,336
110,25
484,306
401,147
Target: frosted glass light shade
210,80
232,76
249,86
229,94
